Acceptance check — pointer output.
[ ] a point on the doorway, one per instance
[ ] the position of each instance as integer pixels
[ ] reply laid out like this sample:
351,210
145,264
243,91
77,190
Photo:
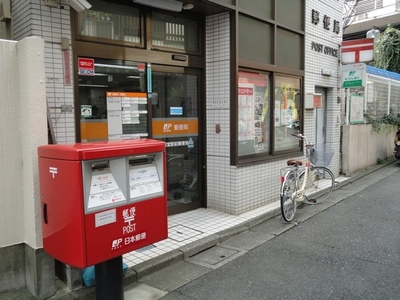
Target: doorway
175,108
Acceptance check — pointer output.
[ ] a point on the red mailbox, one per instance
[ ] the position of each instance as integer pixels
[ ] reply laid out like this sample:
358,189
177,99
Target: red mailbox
101,200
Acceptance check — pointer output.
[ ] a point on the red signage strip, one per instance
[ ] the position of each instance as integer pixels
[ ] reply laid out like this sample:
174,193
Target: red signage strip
358,47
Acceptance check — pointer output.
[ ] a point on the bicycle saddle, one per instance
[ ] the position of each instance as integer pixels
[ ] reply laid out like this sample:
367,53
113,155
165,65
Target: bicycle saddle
292,162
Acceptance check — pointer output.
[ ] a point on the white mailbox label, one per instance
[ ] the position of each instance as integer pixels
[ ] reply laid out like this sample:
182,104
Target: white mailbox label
144,181
104,190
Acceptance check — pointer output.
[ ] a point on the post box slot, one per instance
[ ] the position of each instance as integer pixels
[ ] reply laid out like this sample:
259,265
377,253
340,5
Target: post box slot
101,166
145,176
141,159
105,183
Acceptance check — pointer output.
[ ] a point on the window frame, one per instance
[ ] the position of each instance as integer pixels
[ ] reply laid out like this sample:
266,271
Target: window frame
152,46
100,40
146,38
271,154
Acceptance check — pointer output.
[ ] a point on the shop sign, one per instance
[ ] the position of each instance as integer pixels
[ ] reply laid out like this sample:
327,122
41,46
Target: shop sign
353,75
324,49
86,66
326,20
174,127
355,51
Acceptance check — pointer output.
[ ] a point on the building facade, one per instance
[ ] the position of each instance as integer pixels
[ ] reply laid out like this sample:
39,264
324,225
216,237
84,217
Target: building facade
363,15
224,83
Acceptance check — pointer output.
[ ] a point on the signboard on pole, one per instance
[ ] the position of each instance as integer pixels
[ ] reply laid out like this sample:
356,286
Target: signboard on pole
354,75
355,51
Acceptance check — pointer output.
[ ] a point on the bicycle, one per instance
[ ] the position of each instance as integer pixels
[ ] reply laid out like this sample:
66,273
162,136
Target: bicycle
294,177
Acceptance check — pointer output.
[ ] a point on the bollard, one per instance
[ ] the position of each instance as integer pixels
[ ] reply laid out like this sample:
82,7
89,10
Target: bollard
109,280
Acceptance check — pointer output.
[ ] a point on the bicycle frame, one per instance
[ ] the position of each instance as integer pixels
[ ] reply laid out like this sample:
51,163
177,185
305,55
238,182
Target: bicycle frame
300,191
293,190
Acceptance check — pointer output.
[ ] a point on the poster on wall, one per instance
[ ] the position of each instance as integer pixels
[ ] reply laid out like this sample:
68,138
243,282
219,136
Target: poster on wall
246,111
356,109
127,115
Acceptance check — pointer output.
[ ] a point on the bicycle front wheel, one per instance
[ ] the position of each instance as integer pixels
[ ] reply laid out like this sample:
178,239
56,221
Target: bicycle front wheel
288,196
322,184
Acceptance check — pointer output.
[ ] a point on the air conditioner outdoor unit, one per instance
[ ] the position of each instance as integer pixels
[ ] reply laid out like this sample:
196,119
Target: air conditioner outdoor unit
5,10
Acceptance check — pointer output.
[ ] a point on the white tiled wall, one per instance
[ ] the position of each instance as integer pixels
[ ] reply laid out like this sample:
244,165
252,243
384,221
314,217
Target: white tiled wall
315,62
230,189
236,190
51,24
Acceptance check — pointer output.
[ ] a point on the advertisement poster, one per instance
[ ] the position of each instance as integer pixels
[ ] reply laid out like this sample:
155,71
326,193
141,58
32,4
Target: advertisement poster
246,111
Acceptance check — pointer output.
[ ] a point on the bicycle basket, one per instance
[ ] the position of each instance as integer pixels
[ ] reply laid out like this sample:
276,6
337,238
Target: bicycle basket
321,155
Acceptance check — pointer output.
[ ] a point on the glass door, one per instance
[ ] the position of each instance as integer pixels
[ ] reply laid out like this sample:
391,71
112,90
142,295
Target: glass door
175,120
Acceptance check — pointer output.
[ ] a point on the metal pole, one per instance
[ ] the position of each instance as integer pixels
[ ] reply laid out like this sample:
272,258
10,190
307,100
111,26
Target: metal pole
109,280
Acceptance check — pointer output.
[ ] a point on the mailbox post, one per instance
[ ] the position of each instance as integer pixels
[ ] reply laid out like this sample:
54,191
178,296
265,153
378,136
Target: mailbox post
101,200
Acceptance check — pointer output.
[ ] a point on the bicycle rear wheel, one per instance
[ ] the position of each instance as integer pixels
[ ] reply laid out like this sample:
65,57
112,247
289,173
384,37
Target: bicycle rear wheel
288,196
322,185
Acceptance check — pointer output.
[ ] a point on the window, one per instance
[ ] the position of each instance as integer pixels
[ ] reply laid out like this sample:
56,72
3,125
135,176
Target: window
290,52
255,47
287,112
266,122
177,33
253,113
291,13
113,22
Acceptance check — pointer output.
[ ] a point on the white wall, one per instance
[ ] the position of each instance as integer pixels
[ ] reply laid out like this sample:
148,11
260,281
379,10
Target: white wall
52,24
315,62
23,128
362,147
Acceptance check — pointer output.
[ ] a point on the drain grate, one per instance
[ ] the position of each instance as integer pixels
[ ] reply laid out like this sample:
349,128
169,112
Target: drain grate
180,233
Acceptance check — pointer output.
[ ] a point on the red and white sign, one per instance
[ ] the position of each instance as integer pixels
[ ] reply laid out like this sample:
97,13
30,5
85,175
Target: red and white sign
361,50
86,66
67,67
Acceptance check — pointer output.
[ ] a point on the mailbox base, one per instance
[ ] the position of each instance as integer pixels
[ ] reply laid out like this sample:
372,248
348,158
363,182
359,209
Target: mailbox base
109,280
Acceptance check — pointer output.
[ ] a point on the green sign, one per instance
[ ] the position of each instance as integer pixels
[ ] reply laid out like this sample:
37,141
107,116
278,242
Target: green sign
353,75
352,83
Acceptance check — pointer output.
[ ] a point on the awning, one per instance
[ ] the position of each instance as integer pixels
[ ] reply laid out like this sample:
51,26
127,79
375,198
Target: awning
383,73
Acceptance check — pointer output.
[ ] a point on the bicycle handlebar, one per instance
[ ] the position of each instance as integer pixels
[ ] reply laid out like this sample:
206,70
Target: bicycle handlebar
302,137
